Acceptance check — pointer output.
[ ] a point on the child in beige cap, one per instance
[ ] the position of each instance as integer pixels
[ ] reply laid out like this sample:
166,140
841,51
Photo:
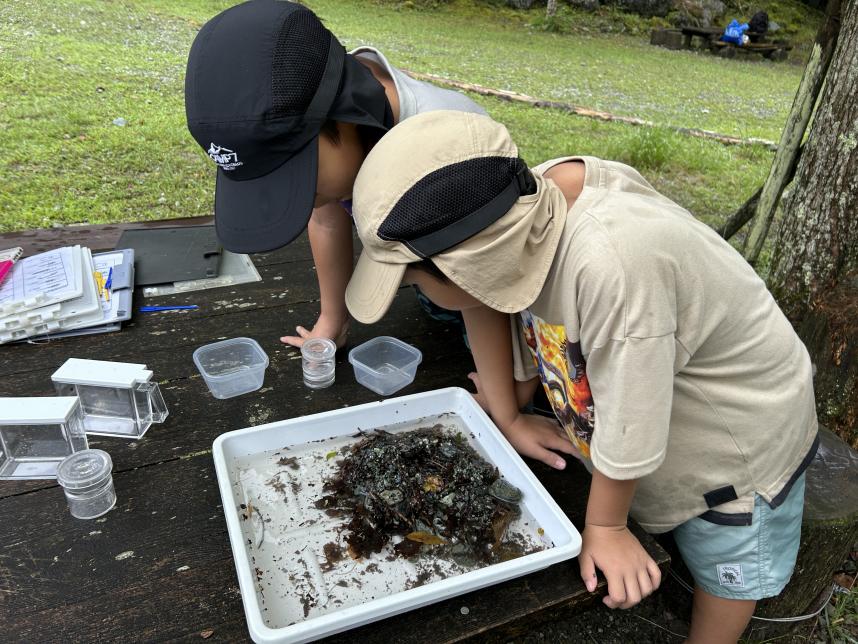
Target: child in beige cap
669,366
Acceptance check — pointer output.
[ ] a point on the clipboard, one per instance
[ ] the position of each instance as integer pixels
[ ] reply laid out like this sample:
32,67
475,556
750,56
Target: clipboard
173,253
113,311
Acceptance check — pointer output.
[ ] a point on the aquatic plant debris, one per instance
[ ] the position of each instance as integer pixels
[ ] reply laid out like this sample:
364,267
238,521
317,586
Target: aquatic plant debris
428,489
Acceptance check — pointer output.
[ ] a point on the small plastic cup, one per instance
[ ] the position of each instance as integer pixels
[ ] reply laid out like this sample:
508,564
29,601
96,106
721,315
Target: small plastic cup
384,364
317,362
86,479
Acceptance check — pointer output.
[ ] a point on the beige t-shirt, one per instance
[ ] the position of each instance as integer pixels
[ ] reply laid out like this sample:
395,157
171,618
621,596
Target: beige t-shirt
665,357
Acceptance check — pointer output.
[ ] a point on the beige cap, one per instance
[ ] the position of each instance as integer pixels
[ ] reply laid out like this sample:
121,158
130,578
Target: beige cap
415,185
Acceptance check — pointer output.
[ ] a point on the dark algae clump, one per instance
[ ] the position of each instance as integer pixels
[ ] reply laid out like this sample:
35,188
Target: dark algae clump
429,487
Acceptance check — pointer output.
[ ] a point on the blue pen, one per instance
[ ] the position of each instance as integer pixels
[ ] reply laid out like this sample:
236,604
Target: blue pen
109,281
178,307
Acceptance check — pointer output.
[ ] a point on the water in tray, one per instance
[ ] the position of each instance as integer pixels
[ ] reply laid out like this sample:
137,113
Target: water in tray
298,552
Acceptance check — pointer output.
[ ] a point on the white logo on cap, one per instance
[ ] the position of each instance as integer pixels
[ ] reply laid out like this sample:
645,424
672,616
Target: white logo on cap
224,157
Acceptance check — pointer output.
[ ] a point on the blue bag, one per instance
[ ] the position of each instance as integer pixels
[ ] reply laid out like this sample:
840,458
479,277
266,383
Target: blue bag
734,32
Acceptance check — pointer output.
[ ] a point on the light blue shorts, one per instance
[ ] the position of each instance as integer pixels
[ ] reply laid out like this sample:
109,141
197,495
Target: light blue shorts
745,562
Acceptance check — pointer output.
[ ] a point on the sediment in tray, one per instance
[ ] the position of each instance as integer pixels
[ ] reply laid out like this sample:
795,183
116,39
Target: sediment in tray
428,487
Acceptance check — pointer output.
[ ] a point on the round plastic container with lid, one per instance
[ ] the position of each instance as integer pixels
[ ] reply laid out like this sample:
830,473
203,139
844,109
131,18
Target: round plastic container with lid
88,483
317,362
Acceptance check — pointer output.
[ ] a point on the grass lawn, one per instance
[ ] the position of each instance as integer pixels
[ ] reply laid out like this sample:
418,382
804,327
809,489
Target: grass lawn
70,68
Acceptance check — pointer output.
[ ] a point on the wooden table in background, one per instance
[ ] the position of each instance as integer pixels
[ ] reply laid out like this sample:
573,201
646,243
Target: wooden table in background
159,566
706,34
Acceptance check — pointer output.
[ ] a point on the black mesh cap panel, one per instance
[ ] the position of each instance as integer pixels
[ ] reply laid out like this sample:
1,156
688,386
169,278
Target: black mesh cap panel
298,63
448,195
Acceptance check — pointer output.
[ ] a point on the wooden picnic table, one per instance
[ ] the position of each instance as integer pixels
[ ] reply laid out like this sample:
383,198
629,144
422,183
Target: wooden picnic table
706,34
711,39
159,566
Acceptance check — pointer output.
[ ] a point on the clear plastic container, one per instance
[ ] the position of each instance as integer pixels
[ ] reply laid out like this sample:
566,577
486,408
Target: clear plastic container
232,367
385,364
317,362
36,434
117,398
88,483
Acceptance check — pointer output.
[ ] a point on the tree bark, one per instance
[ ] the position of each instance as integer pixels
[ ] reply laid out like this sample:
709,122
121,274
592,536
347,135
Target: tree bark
816,243
793,132
814,269
551,8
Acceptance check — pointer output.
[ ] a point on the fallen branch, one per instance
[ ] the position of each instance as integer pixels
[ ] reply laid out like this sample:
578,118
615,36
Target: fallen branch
748,209
742,216
585,112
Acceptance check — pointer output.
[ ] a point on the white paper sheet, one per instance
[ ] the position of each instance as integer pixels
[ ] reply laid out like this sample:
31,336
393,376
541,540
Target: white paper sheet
72,313
40,280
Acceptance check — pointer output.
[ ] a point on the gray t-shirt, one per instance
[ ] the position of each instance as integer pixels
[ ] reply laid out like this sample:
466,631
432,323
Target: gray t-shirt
415,96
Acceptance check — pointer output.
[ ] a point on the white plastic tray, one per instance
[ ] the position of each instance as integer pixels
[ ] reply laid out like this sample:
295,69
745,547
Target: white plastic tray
284,522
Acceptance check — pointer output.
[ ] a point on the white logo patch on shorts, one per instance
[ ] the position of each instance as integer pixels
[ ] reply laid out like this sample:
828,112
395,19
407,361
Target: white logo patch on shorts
730,575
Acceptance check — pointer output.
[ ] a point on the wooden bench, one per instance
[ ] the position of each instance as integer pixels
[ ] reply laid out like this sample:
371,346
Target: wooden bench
772,51
159,565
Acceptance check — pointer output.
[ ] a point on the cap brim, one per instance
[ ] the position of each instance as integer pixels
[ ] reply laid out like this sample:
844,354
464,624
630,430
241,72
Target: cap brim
257,215
372,288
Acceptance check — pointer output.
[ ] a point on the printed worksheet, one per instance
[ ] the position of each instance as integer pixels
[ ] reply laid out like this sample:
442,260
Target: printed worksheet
46,278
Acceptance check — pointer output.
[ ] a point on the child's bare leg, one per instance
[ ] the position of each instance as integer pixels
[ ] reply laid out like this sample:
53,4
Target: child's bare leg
715,620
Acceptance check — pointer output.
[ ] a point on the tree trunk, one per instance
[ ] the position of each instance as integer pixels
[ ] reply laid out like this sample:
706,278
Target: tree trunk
786,157
815,261
830,331
551,9
829,528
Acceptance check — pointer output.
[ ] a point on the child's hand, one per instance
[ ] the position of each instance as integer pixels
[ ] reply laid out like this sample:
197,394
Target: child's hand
334,330
535,436
631,572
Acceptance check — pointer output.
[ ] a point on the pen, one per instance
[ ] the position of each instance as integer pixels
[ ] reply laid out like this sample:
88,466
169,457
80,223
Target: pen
99,282
109,281
178,307
5,268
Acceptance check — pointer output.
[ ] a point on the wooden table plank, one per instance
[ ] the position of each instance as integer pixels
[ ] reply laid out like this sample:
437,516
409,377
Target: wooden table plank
103,237
159,566
97,237
67,580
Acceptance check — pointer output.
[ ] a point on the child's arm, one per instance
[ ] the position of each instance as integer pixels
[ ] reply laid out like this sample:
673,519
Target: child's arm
330,233
609,545
524,390
534,436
